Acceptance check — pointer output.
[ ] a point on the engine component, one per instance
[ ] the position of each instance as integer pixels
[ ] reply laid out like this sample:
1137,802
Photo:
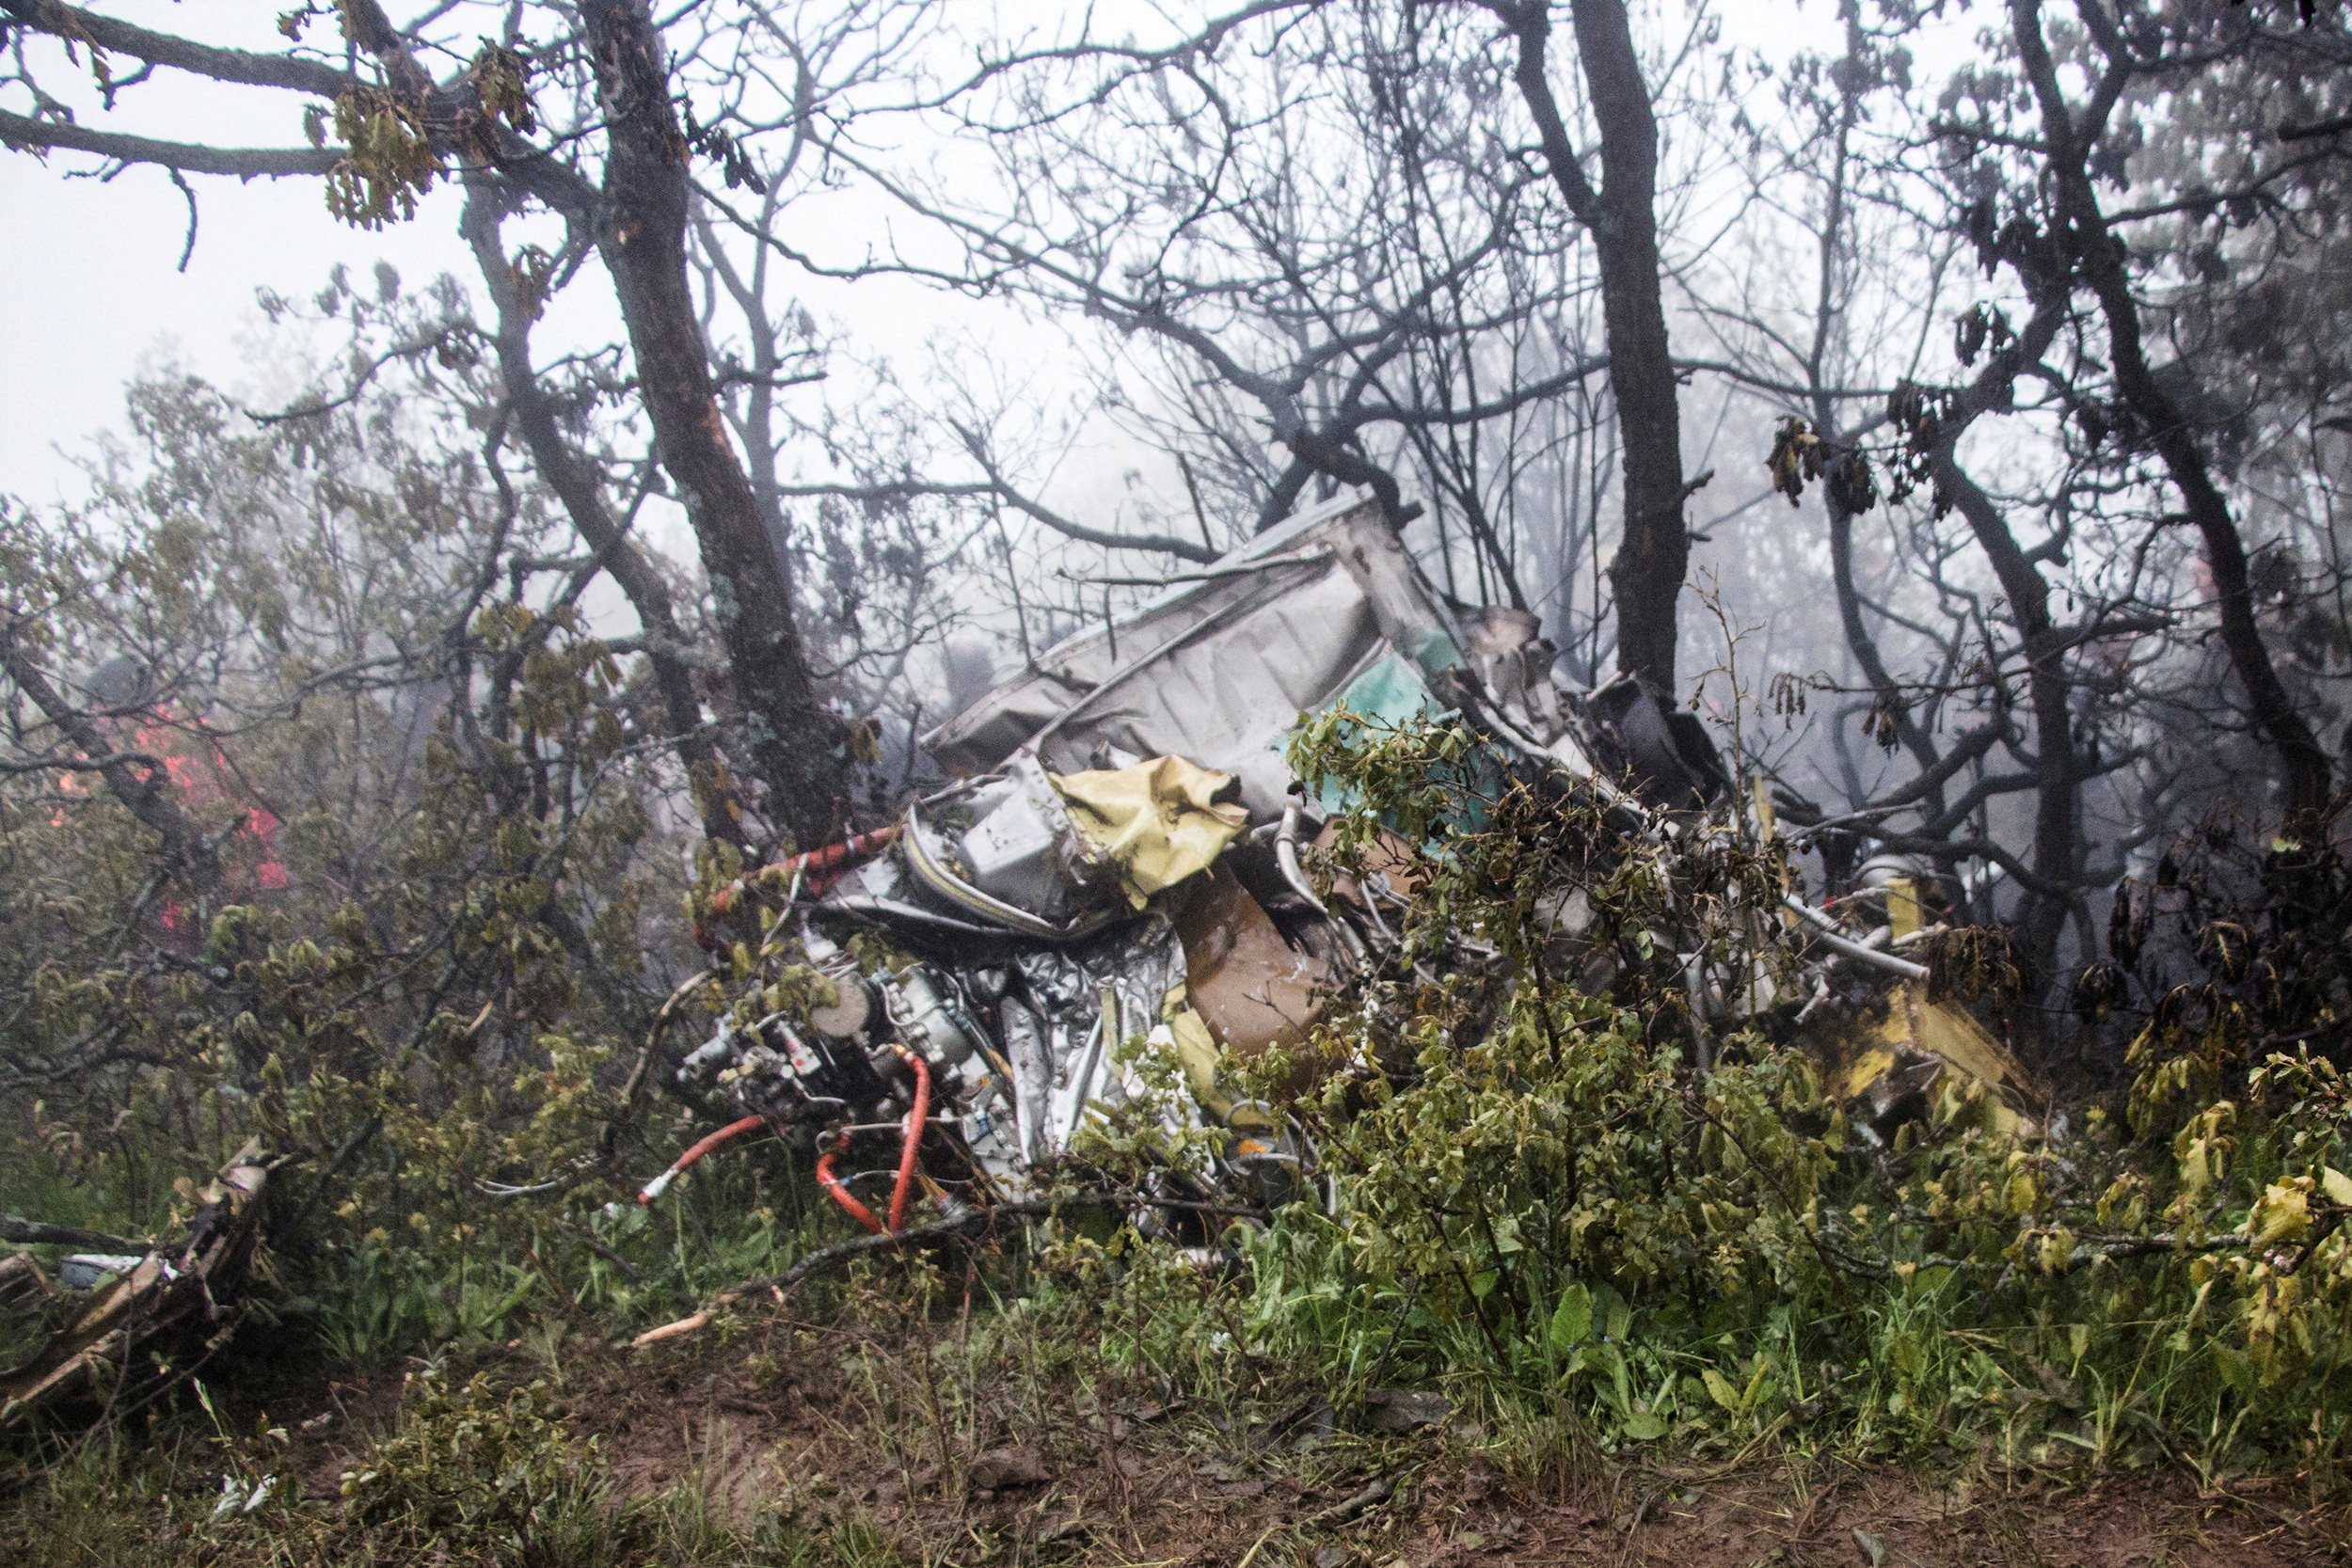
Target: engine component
925,1018
848,1015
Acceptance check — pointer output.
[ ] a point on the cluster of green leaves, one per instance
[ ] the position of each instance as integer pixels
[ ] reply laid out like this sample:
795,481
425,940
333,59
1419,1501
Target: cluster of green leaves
443,908
495,1469
1632,1217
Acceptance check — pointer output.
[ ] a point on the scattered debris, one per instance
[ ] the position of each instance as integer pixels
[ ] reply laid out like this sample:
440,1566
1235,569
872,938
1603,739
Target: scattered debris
1105,913
1902,1058
1374,1494
1396,1411
1111,900
24,1285
1006,1469
84,1271
141,1302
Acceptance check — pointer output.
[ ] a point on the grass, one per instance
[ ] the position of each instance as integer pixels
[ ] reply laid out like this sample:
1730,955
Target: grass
851,1437
1170,1405
1143,1384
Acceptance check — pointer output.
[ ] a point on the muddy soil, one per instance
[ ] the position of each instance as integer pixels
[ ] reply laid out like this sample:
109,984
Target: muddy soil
770,1420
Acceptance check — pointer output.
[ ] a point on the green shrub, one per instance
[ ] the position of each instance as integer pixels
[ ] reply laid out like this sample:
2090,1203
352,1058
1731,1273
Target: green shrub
1654,1215
494,1469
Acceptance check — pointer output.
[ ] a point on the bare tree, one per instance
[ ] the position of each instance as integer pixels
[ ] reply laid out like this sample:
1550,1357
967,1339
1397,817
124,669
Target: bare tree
1338,269
2071,134
615,166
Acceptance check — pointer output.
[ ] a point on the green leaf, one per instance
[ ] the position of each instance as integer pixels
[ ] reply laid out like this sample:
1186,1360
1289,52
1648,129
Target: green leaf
1573,1320
2337,1185
1643,1427
2236,1370
1718,1389
1620,1377
1616,1317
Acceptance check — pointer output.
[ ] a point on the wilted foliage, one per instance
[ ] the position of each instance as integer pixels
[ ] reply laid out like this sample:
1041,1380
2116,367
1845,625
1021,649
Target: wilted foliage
1543,1192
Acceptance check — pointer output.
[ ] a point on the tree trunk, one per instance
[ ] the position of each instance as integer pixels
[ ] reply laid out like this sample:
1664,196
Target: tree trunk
1645,579
581,493
794,740
2083,227
1827,319
2058,801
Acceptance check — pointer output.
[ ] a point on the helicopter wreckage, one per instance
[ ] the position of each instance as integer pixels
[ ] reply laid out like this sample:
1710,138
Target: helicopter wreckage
1118,879
1108,910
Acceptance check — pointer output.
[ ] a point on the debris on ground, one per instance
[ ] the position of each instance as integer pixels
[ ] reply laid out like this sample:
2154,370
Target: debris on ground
1113,896
1107,919
99,1329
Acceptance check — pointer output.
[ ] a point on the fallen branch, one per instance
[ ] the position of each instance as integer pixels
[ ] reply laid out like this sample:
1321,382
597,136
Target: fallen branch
2087,1250
826,1258
35,1234
1347,1508
1337,1514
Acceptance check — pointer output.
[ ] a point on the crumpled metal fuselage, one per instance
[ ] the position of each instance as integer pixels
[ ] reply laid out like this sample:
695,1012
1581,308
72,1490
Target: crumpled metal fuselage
1109,903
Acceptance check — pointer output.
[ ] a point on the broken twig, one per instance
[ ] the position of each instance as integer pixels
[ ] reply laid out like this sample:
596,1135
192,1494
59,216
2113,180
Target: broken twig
826,1258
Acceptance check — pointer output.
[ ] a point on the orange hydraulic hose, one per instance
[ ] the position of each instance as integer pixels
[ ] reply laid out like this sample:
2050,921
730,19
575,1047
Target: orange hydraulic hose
817,866
822,865
653,1188
842,1195
917,1114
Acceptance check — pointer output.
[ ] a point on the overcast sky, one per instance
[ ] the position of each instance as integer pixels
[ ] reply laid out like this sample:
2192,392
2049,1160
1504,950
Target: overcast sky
95,293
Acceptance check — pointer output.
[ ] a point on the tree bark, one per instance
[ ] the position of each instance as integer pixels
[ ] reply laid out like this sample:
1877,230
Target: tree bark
1826,321
2058,808
795,742
290,72
241,162
1865,648
1645,577
2058,801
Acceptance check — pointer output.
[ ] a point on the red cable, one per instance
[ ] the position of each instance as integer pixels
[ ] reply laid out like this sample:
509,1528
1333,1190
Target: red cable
653,1189
842,1195
912,1143
838,1191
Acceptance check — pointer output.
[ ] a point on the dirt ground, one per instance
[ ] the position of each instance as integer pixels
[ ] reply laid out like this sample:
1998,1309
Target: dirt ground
772,1422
